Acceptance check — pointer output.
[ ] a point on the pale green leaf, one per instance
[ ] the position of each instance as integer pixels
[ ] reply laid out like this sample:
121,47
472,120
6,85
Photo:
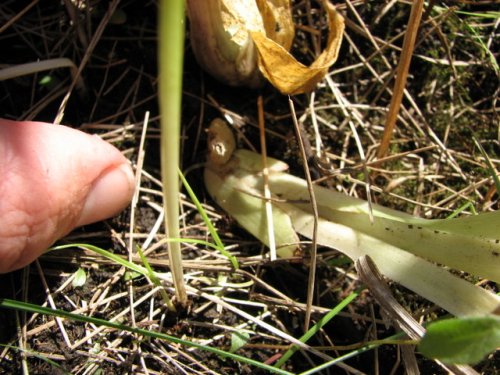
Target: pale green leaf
461,341
131,275
80,278
238,340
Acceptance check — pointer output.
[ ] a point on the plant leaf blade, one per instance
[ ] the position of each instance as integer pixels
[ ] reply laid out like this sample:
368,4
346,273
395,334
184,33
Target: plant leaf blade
461,341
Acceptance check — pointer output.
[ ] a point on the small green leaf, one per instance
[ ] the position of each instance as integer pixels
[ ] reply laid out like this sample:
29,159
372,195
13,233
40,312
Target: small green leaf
461,341
45,80
238,340
131,275
80,278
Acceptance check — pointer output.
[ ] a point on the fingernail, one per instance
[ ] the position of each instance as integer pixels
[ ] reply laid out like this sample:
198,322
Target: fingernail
109,194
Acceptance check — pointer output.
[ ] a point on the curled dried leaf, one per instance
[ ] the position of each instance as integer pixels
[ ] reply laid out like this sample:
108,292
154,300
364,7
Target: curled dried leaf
287,74
278,21
240,42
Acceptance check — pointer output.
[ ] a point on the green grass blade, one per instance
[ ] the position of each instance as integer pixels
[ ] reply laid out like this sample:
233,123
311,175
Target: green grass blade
340,359
106,254
488,14
396,339
466,206
122,261
484,47
473,30
31,308
315,329
208,223
155,280
146,271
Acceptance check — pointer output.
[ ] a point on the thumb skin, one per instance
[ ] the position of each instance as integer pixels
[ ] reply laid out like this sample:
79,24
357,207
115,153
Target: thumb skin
54,178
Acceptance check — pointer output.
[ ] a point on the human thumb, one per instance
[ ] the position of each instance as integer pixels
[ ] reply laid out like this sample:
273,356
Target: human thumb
54,178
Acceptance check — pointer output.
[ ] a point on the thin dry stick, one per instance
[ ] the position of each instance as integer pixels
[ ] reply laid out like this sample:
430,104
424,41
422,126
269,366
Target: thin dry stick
18,15
138,173
265,175
133,206
314,246
86,58
52,304
402,74
314,120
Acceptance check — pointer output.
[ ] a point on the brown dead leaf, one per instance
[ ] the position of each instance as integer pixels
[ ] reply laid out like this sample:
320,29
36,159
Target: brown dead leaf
288,75
278,21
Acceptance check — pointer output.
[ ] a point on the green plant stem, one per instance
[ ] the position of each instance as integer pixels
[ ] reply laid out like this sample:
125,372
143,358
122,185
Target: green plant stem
28,307
316,328
213,232
171,57
156,281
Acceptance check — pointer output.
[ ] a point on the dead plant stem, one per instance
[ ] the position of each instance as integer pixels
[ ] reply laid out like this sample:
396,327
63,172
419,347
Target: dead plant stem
313,249
402,75
265,174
